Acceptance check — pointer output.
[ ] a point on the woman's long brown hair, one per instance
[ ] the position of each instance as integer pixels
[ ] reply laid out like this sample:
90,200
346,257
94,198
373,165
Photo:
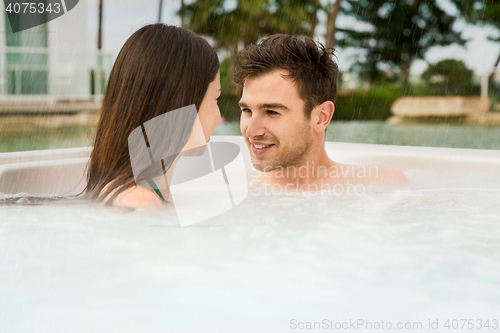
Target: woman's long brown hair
159,69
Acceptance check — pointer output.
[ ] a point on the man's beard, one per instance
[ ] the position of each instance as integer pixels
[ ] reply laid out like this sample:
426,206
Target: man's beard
292,155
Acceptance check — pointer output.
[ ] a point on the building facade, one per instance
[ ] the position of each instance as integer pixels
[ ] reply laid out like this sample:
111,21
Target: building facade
51,61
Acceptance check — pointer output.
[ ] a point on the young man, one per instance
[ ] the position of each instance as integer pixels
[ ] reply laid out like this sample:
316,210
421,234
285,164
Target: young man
289,89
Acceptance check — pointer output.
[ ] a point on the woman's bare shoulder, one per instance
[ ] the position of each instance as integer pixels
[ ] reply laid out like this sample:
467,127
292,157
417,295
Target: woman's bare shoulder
137,197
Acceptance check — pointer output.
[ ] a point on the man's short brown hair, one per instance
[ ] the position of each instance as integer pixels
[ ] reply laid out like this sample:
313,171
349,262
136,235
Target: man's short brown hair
308,63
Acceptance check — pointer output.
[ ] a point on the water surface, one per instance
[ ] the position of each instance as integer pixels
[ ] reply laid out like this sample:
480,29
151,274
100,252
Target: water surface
377,132
429,251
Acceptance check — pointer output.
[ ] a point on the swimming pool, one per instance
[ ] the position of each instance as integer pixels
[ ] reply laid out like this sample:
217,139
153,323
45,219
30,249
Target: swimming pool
446,135
426,252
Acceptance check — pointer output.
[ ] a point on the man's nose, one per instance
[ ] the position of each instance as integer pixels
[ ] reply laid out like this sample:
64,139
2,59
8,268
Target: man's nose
255,126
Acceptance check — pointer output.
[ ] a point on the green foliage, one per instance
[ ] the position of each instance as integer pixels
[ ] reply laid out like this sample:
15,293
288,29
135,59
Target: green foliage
483,12
233,26
401,31
494,93
372,104
228,105
451,77
228,102
250,19
480,11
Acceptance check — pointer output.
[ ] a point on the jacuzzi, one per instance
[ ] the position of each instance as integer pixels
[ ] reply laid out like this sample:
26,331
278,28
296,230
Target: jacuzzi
412,258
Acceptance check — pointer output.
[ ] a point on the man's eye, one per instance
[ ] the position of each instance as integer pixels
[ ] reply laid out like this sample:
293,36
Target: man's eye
271,112
246,110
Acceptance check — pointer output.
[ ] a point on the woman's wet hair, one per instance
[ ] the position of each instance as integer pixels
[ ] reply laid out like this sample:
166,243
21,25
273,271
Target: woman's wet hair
159,69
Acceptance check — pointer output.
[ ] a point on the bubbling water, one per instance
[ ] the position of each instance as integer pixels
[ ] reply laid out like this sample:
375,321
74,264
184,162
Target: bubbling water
428,251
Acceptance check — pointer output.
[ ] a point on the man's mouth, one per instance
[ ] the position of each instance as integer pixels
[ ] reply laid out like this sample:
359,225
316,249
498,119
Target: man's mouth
261,148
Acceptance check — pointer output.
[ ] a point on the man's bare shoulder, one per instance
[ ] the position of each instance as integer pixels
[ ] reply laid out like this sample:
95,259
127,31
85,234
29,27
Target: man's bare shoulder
373,174
336,174
386,176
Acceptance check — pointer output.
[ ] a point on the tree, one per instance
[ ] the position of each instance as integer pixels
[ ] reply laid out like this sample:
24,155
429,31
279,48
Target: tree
183,24
400,32
332,11
160,9
249,21
482,12
100,76
99,29
451,77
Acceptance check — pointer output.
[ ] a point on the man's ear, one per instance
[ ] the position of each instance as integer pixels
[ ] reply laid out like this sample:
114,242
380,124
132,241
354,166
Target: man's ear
321,116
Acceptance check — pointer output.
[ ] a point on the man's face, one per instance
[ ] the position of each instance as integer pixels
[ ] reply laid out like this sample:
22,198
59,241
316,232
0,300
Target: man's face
273,123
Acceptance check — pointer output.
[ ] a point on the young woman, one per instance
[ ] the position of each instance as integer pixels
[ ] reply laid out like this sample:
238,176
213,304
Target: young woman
159,69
